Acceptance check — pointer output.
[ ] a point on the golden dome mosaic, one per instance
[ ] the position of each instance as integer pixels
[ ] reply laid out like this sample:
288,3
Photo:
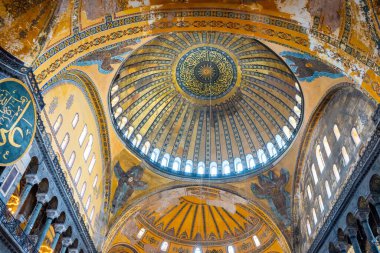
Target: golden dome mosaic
206,105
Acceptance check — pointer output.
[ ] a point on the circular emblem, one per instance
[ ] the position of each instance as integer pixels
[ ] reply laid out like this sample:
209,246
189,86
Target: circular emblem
17,120
206,72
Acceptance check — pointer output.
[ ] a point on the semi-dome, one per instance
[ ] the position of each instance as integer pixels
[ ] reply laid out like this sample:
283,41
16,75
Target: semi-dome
206,104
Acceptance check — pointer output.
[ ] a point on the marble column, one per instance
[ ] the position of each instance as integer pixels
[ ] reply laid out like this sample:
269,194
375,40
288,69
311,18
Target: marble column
363,218
58,229
352,233
31,180
41,199
50,216
66,242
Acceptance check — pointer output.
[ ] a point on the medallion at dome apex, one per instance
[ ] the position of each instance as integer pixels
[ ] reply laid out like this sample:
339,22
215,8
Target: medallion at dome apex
206,105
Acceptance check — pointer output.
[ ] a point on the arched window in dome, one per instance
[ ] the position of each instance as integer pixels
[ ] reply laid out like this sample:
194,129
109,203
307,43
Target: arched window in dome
122,122
336,173
226,167
298,99
155,155
308,227
271,149
213,169
321,162
314,216
345,156
92,164
164,246
287,132
114,89
75,121
197,250
256,241
95,181
293,122
230,249
328,190
83,190
250,161
238,165
82,136
114,101
92,213
141,233
280,141
176,164
118,111
58,123
297,111
137,140
129,132
145,148
201,168
165,160
189,166
355,136
261,155
297,86
88,203
71,160
314,173
321,206
309,192
336,132
65,142
327,146
77,176
88,148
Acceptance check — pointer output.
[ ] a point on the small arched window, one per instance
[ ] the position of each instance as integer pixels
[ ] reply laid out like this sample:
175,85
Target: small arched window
309,192
201,168
114,89
92,213
137,140
345,156
82,136
213,169
271,149
58,123
321,162
226,167
77,176
123,122
92,164
280,141
145,148
355,136
256,241
230,249
293,122
75,121
298,99
250,161
261,155
197,250
141,233
297,86
336,132
164,246
314,216
320,201
328,191
129,132
165,160
308,227
114,101
176,164
88,203
83,190
314,173
71,160
327,146
118,111
189,166
88,148
95,181
336,173
155,154
287,132
297,111
238,165
65,142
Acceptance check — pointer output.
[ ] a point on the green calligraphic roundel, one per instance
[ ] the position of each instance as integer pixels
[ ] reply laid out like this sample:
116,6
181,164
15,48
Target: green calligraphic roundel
17,120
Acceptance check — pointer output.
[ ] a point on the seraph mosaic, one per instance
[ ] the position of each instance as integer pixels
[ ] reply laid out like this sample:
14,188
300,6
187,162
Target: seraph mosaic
308,68
272,188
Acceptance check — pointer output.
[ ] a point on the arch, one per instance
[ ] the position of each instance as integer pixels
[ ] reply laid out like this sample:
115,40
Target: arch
271,149
314,173
230,249
328,190
65,142
238,165
77,176
201,168
95,181
118,112
141,233
374,184
129,132
155,154
87,206
308,189
198,250
58,123
315,218
146,147
261,155
298,99
114,101
280,142
293,122
226,167
137,140
256,241
308,226
164,246
189,166
75,121
287,132
88,148
297,111
53,203
122,122
92,213
176,164
165,160
355,136
213,169
43,186
61,218
250,161
321,205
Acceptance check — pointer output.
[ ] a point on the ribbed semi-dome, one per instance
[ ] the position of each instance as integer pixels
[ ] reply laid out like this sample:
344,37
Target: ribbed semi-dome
206,104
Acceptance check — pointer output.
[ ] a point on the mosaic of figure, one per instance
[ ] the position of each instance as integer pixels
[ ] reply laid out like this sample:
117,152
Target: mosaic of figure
272,188
308,68
128,182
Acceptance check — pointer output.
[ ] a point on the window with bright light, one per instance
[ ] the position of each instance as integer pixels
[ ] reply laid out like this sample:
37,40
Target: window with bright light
58,123
165,160
280,141
137,140
271,149
123,122
77,176
262,156
201,168
256,241
82,136
321,162
336,132
75,121
309,192
314,173
314,216
65,142
328,190
176,164
88,148
287,132
327,146
141,233
336,173
71,160
250,161
226,167
293,122
145,148
189,166
92,164
164,246
230,249
213,169
155,154
238,165
308,227
345,156
355,136
84,186
321,206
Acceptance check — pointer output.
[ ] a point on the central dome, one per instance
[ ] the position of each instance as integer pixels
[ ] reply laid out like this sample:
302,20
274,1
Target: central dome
206,105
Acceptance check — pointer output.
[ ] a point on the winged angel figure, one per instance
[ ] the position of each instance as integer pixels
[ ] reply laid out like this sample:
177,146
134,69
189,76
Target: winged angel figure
128,182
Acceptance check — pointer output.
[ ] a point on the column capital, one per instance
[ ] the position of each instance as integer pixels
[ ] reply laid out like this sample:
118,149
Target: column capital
42,197
352,231
52,214
363,215
32,179
342,246
59,228
67,241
